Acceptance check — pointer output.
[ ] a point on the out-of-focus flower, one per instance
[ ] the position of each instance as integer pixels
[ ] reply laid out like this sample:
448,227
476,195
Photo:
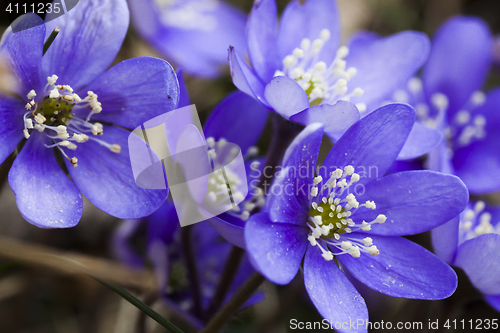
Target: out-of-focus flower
300,70
343,214
472,242
448,98
193,34
60,99
165,251
238,119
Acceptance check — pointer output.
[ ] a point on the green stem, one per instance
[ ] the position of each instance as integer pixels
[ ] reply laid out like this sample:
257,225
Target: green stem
192,269
234,304
227,277
141,306
50,40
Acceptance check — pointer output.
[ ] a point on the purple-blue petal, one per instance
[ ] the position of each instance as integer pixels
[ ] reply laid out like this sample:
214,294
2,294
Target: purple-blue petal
494,301
11,125
275,249
333,294
373,143
386,64
336,118
261,38
199,50
286,96
422,139
230,228
239,119
244,78
288,197
135,91
413,202
183,92
478,165
23,52
91,36
445,240
45,196
439,159
163,223
459,60
106,178
479,258
402,269
306,19
359,41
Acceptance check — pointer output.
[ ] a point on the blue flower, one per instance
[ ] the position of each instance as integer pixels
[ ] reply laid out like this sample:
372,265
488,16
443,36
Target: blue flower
345,214
300,71
237,119
59,105
193,34
164,250
448,98
472,242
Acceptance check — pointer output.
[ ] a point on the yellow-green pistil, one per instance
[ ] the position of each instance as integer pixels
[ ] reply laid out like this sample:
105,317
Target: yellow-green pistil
57,111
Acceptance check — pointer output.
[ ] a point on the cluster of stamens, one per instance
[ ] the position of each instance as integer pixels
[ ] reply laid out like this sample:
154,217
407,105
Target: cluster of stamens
322,83
188,14
54,116
476,222
464,128
219,183
330,219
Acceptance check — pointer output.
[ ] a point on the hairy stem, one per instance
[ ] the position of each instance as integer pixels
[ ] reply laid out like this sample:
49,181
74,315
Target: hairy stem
194,281
238,299
227,277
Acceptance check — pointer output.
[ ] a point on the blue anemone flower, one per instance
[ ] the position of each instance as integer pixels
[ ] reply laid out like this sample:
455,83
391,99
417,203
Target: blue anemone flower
65,105
300,70
193,34
448,98
471,241
345,215
245,129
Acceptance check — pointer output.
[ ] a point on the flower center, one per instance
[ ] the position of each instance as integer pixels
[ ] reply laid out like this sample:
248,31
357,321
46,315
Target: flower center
322,83
330,216
226,181
189,15
463,130
476,222
57,111
54,117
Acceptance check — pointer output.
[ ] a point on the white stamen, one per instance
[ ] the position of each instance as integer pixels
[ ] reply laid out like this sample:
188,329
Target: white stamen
327,255
115,148
478,98
415,85
31,94
40,118
52,79
440,101
54,93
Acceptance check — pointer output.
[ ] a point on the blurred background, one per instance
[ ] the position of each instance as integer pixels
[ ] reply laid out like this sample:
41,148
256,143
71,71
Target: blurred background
40,293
